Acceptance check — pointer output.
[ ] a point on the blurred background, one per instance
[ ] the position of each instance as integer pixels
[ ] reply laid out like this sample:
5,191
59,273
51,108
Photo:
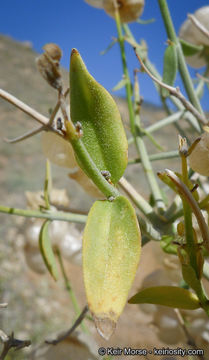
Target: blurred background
37,306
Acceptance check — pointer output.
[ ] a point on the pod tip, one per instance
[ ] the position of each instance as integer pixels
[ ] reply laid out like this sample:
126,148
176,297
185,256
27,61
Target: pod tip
105,326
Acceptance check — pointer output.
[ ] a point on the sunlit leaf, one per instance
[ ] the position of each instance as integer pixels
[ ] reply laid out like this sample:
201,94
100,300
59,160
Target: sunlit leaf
94,108
171,296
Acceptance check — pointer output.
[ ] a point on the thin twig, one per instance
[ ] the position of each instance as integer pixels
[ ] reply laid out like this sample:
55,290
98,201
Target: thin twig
10,342
43,120
40,128
25,136
175,92
184,191
50,215
190,339
69,288
203,78
198,25
64,335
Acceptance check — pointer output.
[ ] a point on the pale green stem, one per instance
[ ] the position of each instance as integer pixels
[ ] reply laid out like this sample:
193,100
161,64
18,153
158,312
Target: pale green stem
191,246
168,120
154,71
47,185
92,171
147,166
50,215
69,289
143,152
161,156
146,209
160,124
181,60
125,72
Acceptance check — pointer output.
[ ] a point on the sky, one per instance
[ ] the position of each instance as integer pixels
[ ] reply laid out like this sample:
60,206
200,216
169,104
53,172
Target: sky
75,24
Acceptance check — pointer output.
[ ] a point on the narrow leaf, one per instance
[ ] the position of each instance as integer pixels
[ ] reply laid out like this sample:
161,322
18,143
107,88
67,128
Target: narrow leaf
169,67
190,49
111,252
123,82
109,47
171,296
47,251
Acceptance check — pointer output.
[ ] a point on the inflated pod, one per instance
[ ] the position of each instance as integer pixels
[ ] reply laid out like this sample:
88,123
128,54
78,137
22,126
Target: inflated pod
111,252
94,109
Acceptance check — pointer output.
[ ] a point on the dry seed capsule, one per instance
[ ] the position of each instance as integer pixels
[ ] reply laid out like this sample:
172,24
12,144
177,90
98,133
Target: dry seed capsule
189,32
199,158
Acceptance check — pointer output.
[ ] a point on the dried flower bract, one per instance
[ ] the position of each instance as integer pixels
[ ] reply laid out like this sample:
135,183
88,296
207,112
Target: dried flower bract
49,67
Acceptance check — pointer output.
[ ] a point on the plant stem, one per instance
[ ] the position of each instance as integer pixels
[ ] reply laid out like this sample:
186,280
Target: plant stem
54,215
92,171
154,157
164,122
182,64
47,185
69,289
154,71
191,246
125,71
143,152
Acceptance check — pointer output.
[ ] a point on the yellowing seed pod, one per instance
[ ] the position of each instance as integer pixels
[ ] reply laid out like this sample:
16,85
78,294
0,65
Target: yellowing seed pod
199,157
96,111
111,252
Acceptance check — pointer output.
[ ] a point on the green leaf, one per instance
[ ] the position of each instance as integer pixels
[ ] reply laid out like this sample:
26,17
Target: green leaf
145,22
111,252
123,82
46,250
171,296
170,67
109,47
103,133
190,49
190,277
167,245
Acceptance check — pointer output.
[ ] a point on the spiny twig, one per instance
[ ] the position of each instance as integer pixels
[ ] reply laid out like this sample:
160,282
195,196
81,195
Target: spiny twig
175,92
10,342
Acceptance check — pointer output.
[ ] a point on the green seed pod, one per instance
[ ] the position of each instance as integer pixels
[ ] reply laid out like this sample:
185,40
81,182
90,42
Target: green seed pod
94,108
47,251
170,67
111,252
171,296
